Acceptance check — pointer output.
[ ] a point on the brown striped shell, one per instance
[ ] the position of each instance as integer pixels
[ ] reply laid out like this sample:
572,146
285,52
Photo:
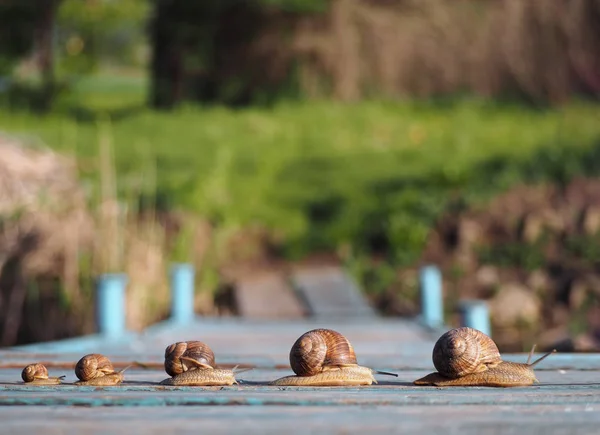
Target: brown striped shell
93,365
34,371
464,350
195,350
318,349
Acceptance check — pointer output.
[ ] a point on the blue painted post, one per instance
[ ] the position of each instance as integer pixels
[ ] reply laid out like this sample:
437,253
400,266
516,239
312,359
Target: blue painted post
110,304
182,292
475,314
432,305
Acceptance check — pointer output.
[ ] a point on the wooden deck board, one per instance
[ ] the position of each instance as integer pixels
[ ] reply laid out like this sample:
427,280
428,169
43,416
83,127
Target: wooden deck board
567,400
330,292
267,296
555,419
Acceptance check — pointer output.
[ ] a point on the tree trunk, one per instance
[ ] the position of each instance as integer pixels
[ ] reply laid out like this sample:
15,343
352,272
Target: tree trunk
167,61
44,46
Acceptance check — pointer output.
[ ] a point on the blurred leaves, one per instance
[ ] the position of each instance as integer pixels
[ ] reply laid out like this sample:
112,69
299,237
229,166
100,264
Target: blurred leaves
17,23
92,30
326,175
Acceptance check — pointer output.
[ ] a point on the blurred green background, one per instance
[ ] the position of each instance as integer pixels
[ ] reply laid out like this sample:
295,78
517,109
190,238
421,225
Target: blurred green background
383,134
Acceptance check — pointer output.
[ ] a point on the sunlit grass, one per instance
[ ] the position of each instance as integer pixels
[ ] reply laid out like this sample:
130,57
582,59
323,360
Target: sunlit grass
325,173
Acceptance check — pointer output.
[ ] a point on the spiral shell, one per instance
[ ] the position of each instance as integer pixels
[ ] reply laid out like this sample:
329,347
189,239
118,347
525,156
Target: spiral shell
318,349
93,366
196,350
34,371
463,351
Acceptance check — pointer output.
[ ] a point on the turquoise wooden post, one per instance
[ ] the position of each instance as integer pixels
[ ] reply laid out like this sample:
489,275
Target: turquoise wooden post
475,314
110,304
432,305
182,292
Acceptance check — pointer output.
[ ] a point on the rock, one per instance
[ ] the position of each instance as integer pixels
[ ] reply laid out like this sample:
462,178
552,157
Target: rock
487,276
559,315
590,221
578,294
593,318
585,343
552,338
533,225
530,228
514,305
469,233
538,280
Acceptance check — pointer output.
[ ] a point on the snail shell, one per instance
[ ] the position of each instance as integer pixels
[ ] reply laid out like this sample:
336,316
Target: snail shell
323,357
93,366
464,350
96,369
189,350
192,363
468,357
38,374
34,371
319,349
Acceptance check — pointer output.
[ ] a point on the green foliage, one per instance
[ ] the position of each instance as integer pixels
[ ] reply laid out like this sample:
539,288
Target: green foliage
17,22
373,176
529,256
586,248
93,94
91,31
375,278
298,6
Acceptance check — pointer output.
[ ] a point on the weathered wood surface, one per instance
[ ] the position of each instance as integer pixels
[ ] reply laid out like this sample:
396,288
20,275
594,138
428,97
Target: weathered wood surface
267,296
330,292
567,400
307,291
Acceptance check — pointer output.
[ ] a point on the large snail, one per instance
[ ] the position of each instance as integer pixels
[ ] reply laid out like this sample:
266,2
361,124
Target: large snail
323,357
97,370
468,357
37,374
192,363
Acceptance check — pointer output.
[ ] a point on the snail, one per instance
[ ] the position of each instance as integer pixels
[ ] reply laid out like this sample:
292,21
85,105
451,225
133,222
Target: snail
192,363
323,357
97,370
37,374
467,357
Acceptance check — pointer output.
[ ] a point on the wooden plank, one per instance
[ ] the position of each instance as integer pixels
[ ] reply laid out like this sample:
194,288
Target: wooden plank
567,400
577,386
267,296
467,420
329,292
381,342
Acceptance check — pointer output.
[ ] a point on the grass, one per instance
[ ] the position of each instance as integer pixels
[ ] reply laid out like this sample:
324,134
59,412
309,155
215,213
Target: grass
367,180
106,92
325,174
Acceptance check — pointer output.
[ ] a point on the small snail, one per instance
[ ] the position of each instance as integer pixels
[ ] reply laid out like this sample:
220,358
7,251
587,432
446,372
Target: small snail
97,370
468,357
323,357
37,374
192,363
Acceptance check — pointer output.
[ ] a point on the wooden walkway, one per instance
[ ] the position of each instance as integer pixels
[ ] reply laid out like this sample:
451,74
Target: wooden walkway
567,400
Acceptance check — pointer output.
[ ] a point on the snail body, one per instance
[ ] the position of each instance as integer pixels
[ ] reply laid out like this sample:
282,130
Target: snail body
323,357
37,374
96,370
467,357
192,363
